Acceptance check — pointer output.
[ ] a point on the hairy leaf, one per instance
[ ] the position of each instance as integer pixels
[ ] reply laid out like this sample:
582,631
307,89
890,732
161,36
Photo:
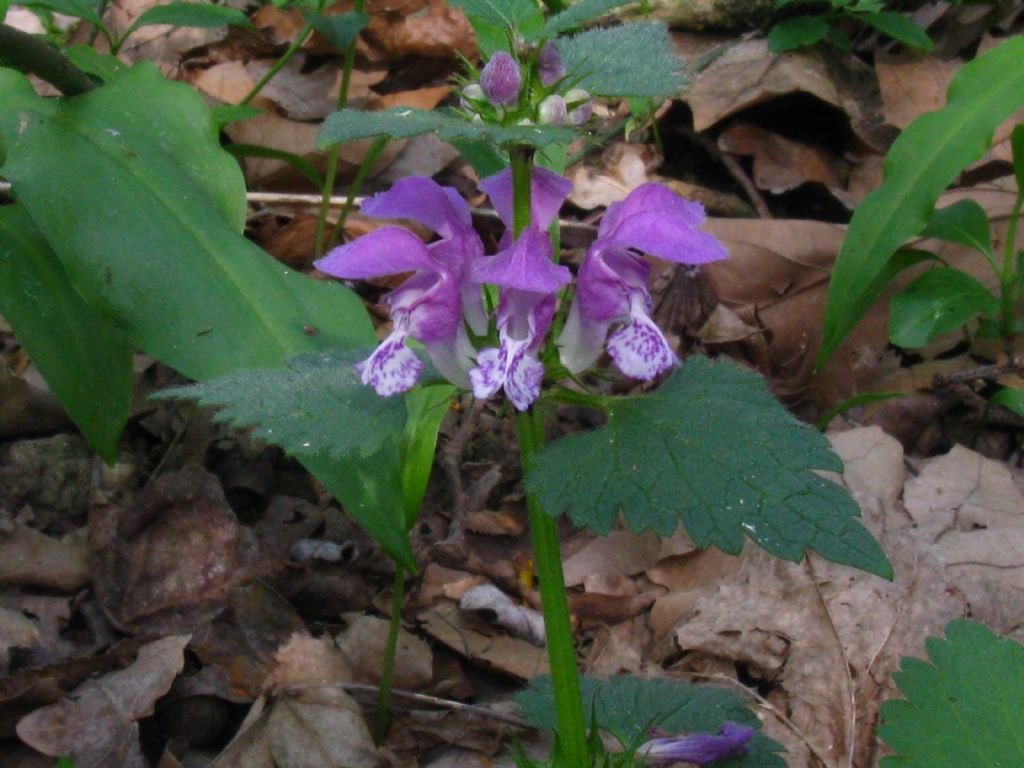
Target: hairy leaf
926,157
797,32
713,450
340,29
200,15
316,404
939,301
634,59
628,707
85,359
578,14
403,122
965,708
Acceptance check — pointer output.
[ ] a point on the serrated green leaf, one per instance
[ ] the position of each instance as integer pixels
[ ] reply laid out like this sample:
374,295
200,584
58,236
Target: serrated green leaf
939,301
1011,398
964,709
92,62
899,27
797,32
86,361
635,59
1017,144
198,15
316,404
923,161
713,450
579,13
340,29
627,707
523,16
403,122
965,222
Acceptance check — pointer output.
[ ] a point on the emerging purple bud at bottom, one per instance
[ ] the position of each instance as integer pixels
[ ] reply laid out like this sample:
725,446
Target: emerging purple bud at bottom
550,65
552,111
699,748
583,108
501,80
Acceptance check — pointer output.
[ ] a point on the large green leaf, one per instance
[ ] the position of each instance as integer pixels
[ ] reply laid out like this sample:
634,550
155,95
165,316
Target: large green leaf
713,450
921,164
522,16
155,246
635,59
403,122
85,359
964,709
340,28
315,404
939,301
628,707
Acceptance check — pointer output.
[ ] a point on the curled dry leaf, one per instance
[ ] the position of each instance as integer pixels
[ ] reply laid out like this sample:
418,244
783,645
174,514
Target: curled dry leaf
496,606
441,33
98,727
31,558
171,559
364,642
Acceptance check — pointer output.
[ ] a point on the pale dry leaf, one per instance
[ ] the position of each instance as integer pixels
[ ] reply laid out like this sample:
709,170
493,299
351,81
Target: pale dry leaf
364,642
622,169
162,44
249,747
521,621
16,631
472,637
31,558
620,553
98,725
320,728
306,660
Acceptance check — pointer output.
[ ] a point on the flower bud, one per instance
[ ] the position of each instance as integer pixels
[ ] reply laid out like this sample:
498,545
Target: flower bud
550,65
472,92
501,80
583,106
552,111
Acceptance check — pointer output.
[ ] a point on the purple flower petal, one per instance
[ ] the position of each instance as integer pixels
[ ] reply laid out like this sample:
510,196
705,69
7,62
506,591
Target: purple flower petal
639,348
651,197
581,340
386,251
550,65
526,265
501,79
510,367
667,238
423,200
488,376
548,191
393,367
699,748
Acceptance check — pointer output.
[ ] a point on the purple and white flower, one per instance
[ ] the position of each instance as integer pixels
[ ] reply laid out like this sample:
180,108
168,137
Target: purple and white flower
611,287
431,304
548,191
529,283
501,80
699,748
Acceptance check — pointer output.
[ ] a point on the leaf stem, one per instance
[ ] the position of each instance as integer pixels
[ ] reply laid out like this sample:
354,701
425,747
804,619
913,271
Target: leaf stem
383,716
26,53
332,155
354,189
292,49
1009,277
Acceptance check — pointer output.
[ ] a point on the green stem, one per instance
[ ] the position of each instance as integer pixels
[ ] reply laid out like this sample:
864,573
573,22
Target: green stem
565,679
1009,277
572,728
27,53
355,188
383,717
285,57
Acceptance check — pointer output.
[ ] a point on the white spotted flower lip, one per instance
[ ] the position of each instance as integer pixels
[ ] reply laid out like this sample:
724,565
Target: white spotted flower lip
430,305
611,287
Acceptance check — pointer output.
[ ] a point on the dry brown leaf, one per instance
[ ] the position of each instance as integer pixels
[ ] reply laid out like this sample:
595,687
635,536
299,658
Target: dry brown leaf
364,642
475,639
306,660
162,44
441,33
320,728
622,168
499,609
16,631
98,727
620,553
249,748
748,74
31,558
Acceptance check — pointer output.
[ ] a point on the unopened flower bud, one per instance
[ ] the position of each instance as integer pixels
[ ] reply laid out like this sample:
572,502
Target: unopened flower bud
582,108
471,93
501,80
550,65
552,111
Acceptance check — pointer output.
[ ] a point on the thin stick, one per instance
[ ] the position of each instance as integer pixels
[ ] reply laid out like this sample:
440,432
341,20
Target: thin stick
733,167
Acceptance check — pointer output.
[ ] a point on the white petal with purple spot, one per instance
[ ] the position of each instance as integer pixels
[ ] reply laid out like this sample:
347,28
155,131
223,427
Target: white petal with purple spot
392,368
639,348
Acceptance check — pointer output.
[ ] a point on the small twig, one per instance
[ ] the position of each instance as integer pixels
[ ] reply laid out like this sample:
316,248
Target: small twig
984,372
733,167
825,758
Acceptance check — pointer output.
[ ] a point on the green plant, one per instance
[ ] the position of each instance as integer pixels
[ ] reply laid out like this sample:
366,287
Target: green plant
807,29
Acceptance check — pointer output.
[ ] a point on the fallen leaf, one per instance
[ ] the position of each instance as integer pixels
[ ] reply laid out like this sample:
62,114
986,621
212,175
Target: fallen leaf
30,558
98,726
309,661
364,642
498,608
441,33
320,728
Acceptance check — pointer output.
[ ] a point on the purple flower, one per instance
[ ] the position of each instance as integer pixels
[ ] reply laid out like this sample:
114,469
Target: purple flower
548,191
699,748
529,281
550,65
501,80
430,305
611,287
